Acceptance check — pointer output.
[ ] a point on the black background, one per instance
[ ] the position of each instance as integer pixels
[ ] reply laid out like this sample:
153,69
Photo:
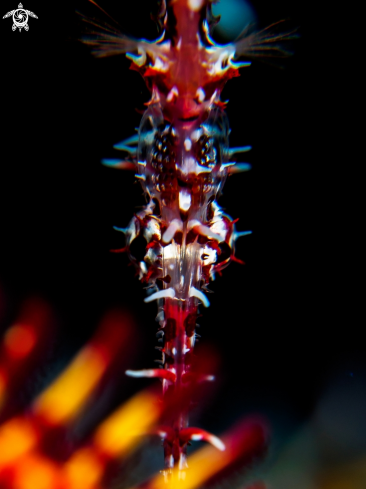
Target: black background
284,323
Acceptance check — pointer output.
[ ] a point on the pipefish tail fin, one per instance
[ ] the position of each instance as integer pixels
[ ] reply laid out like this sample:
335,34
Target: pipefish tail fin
270,42
105,39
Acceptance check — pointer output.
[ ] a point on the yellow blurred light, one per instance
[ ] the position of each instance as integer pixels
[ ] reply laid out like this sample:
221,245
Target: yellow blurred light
17,437
83,470
36,472
68,394
203,464
19,340
121,430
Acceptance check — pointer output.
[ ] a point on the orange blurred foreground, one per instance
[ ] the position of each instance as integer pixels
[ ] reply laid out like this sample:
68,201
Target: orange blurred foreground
245,441
29,455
